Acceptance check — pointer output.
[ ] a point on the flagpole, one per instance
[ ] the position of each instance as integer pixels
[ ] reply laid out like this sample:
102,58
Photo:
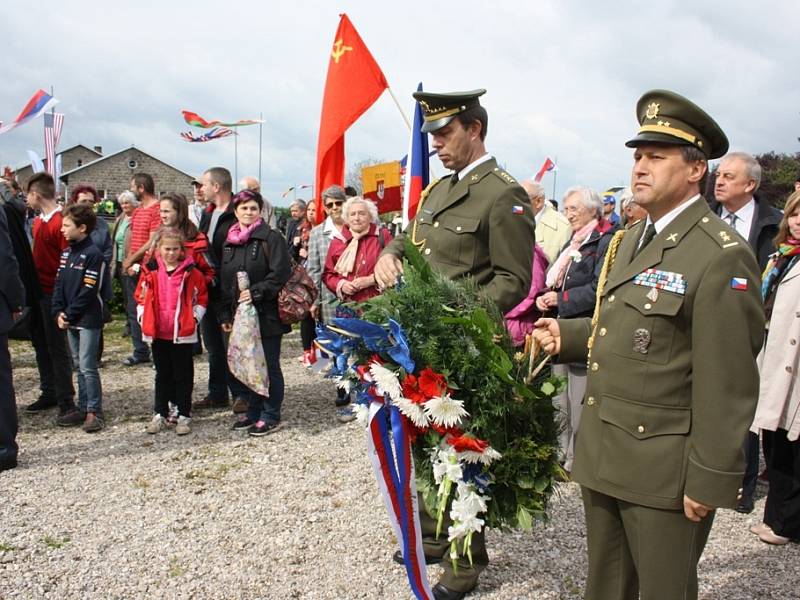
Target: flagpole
405,118
555,176
236,162
260,139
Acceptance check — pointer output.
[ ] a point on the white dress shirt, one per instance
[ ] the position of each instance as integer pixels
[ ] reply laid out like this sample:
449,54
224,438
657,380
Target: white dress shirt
744,218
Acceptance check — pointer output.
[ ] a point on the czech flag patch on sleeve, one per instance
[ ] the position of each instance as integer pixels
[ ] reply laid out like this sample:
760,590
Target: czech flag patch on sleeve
517,209
739,283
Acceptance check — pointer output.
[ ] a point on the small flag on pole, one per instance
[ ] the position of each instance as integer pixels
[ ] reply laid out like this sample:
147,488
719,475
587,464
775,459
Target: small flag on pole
197,121
53,123
214,134
38,104
548,165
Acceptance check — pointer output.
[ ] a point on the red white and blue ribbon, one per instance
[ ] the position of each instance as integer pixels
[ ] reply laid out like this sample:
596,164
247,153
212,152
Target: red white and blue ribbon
389,448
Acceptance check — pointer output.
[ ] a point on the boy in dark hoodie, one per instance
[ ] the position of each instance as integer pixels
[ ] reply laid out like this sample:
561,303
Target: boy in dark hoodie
78,307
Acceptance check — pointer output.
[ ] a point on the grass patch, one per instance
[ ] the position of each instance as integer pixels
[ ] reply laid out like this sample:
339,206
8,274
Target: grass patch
141,482
175,568
6,547
54,542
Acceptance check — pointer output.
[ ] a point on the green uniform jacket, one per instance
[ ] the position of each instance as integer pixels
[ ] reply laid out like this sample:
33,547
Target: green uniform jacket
482,226
672,383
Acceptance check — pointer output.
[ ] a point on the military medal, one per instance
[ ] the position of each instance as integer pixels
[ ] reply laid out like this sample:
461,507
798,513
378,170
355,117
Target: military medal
652,295
641,340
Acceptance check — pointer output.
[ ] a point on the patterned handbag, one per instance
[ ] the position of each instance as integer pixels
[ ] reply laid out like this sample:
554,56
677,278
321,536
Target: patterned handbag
297,295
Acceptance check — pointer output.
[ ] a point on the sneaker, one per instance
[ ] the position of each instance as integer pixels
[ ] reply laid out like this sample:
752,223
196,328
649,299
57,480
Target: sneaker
132,361
172,417
759,528
93,423
242,423
770,537
346,414
72,418
182,427
309,358
210,402
156,424
262,428
41,405
240,405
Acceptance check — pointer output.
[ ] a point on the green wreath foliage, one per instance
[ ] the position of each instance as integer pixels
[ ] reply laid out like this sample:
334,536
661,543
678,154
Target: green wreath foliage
457,330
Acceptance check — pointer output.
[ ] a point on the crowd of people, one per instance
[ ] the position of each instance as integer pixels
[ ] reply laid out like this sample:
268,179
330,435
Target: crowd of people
667,336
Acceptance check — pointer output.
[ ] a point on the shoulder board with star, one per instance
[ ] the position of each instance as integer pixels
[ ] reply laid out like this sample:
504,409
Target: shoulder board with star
502,175
719,231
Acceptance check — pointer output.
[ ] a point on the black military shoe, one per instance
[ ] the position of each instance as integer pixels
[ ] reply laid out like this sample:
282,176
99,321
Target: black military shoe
746,505
442,592
41,405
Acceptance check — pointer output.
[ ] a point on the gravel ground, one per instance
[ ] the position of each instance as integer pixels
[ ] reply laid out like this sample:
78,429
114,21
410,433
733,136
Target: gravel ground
216,514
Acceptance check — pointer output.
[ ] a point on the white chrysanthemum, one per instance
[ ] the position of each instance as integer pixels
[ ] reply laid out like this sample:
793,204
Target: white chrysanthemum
386,381
362,413
461,529
486,457
413,411
444,411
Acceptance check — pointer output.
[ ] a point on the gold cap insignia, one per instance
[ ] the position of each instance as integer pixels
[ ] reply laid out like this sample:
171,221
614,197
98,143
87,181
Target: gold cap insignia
652,110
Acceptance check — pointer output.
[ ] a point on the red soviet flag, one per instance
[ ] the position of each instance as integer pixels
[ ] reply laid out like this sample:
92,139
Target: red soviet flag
354,82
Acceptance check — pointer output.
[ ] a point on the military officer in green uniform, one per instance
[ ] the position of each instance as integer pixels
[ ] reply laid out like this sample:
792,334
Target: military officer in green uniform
474,222
671,352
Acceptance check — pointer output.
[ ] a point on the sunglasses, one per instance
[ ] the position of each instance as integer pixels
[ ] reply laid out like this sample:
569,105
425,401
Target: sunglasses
334,203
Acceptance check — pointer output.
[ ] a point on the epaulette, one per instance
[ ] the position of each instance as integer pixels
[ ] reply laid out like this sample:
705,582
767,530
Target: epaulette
503,176
719,231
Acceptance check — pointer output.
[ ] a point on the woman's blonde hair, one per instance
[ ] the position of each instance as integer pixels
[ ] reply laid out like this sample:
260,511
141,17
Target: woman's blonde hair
792,203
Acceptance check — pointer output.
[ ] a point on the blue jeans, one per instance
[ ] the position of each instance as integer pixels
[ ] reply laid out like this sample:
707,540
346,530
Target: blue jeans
83,344
140,349
219,376
261,408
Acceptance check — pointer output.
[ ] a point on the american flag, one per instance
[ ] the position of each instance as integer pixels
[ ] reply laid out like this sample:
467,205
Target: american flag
53,122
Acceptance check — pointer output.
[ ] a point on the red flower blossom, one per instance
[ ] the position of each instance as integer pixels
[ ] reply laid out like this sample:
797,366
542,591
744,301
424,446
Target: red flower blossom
432,384
453,431
410,387
463,443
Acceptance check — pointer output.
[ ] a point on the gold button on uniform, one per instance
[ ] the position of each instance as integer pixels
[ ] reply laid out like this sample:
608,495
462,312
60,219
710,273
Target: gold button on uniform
436,223
427,251
458,228
611,298
603,331
640,429
595,366
590,401
648,306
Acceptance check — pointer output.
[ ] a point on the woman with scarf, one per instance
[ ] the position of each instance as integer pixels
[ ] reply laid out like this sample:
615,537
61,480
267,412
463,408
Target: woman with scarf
778,411
254,248
350,264
571,286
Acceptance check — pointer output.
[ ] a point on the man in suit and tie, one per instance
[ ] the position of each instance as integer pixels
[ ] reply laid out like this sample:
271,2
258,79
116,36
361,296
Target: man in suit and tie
738,178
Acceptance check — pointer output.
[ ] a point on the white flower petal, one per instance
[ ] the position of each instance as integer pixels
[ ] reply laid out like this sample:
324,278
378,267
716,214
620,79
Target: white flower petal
386,381
413,411
362,413
445,411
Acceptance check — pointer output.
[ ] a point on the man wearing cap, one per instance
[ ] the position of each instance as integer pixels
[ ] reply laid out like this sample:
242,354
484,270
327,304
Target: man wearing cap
671,352
609,204
474,222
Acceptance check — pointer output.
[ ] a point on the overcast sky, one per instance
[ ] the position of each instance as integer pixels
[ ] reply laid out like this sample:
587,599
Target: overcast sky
563,77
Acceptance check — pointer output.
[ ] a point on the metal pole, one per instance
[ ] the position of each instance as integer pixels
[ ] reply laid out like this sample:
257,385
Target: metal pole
555,176
260,140
236,162
402,114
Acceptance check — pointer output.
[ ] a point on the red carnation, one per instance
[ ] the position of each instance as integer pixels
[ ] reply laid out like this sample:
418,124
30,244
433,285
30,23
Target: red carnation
432,384
464,443
410,387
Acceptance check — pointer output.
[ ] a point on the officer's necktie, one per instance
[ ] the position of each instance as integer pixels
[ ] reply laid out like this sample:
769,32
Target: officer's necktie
649,234
453,180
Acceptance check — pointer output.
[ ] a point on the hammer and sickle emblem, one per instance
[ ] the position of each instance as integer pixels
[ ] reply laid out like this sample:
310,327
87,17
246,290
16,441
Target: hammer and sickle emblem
339,49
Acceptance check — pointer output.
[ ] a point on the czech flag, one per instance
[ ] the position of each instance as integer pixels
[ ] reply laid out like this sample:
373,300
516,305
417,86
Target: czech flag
418,171
548,165
37,105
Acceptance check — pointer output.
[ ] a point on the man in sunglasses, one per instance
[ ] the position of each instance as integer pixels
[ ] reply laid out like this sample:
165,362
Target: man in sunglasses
476,222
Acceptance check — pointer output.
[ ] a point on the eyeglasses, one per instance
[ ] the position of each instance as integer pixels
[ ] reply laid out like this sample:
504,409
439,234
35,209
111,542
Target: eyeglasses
334,203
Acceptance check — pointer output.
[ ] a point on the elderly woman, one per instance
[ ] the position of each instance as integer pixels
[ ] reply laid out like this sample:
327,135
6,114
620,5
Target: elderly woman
350,264
631,211
120,234
260,251
778,412
571,285
351,260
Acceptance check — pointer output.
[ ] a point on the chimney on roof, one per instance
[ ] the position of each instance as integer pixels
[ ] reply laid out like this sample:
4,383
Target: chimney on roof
98,149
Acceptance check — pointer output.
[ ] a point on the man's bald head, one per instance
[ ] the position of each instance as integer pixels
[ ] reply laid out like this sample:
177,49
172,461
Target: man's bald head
250,183
535,191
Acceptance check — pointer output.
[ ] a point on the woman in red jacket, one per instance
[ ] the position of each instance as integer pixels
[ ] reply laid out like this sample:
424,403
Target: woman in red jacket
350,265
172,299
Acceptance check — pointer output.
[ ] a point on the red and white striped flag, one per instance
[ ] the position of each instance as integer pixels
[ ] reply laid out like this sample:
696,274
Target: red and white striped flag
53,122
